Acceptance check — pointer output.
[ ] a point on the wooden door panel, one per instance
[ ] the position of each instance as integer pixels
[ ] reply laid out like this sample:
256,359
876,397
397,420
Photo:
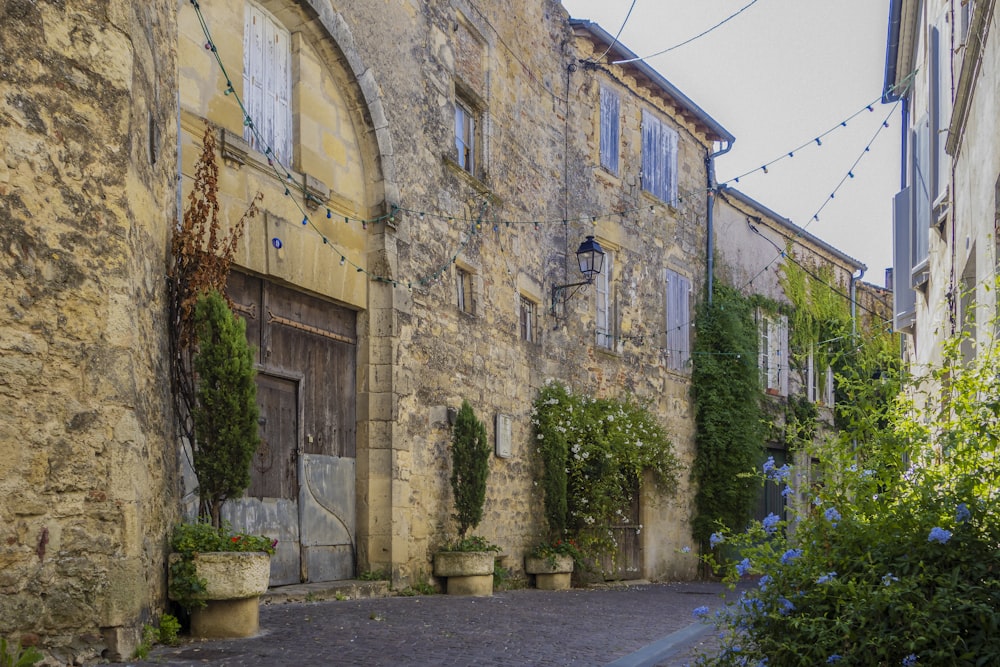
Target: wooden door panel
273,471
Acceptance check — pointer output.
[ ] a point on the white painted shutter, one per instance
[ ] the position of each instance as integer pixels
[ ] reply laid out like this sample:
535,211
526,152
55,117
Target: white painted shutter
267,83
280,93
604,314
253,69
811,376
829,390
782,354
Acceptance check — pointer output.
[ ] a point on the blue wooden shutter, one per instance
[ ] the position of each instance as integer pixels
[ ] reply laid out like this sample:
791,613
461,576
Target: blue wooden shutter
610,109
678,321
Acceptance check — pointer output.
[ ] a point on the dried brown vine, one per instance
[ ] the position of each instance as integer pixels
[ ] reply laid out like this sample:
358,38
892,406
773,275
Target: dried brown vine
201,254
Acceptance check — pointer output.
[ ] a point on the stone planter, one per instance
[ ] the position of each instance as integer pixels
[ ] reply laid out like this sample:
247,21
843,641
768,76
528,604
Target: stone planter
551,574
234,581
468,572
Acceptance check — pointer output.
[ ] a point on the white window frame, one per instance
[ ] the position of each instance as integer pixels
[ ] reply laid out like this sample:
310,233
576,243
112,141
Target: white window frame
773,353
678,320
610,129
464,291
605,321
528,319
267,84
466,121
816,392
659,158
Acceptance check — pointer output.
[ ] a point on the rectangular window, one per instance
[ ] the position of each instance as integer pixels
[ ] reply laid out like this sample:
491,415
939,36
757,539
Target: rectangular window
605,304
819,381
773,353
529,310
465,135
610,106
463,285
678,321
267,84
659,158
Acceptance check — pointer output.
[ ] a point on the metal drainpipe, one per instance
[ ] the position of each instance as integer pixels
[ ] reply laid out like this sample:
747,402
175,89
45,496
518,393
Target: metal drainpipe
854,300
710,244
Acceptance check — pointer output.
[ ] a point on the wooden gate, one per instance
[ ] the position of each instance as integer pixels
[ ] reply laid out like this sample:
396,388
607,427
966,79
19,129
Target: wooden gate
626,561
303,476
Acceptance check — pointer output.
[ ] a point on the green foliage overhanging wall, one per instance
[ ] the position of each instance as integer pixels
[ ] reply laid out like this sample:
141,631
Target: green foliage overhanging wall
728,417
594,454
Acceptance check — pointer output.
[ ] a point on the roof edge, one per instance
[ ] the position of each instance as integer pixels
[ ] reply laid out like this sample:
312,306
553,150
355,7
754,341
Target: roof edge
618,49
795,229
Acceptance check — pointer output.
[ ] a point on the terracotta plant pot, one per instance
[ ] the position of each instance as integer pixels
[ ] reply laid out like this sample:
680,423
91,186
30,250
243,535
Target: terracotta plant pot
468,572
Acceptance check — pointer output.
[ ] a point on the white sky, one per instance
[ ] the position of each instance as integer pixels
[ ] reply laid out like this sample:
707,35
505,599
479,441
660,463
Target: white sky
776,76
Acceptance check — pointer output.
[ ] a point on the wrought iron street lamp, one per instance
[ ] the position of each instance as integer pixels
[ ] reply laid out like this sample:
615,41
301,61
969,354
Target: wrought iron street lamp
590,256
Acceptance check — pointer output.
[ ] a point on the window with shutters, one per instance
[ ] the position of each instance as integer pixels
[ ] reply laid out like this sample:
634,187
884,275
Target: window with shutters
463,288
939,110
267,84
610,137
773,353
466,134
819,381
659,158
529,314
605,303
678,321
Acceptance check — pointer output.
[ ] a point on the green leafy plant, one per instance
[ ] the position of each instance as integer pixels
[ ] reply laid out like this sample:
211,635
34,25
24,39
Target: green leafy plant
725,386
419,587
470,453
550,550
15,655
149,637
471,543
190,539
225,411
893,559
593,454
168,629
374,575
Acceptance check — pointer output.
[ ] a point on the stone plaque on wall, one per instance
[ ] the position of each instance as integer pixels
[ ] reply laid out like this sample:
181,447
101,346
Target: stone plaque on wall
503,436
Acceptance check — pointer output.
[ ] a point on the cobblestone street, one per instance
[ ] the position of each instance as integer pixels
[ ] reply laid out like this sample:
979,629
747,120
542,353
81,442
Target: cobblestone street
644,624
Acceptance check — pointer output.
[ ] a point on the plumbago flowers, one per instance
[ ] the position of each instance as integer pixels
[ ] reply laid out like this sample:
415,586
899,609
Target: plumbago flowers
893,560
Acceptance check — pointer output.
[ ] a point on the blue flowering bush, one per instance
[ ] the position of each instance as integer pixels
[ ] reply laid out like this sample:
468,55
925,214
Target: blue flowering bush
893,559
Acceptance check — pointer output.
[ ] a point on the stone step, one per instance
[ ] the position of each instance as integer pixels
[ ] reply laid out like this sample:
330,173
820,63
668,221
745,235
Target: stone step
350,589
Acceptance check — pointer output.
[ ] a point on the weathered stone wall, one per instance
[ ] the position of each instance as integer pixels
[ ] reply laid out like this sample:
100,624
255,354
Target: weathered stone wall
87,130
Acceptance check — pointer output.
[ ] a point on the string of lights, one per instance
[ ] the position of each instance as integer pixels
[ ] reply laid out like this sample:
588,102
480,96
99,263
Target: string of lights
617,34
818,139
846,177
472,228
687,41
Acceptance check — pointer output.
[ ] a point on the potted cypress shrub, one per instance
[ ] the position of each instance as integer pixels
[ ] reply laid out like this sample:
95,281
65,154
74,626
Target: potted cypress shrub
215,574
468,562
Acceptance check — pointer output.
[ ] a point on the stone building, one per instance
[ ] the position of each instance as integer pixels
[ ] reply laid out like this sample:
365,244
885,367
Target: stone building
756,247
943,69
87,193
427,171
412,251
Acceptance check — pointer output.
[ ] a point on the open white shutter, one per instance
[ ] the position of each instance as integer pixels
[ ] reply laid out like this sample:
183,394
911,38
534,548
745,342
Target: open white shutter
782,364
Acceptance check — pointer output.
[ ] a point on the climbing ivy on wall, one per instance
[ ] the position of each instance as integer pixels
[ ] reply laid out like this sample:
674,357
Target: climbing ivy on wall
725,385
820,318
